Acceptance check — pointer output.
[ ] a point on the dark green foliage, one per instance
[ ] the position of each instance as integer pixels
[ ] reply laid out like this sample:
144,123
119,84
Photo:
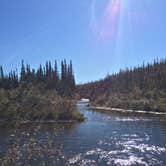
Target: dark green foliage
9,81
47,77
23,74
67,82
139,88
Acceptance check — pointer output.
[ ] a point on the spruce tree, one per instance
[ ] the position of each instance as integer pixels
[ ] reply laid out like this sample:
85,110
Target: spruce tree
1,77
55,76
23,74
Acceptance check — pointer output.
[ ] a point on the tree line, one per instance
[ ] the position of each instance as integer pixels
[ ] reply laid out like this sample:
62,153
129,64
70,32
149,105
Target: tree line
144,82
47,76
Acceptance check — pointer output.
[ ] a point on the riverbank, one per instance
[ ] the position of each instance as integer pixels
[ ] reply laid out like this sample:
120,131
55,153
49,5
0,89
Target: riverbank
31,104
109,109
104,139
41,121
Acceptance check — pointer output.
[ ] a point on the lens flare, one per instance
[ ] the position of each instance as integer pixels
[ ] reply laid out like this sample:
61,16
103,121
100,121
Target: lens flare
109,28
117,16
106,26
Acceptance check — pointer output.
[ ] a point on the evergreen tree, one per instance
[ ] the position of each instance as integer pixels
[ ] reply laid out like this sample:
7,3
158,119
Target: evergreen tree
71,75
23,73
40,75
1,73
70,81
55,76
47,77
65,70
62,71
1,77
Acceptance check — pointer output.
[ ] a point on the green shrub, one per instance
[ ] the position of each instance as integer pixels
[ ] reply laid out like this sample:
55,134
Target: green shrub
33,103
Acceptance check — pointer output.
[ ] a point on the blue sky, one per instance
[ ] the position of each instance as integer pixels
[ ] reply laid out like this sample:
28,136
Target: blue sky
99,36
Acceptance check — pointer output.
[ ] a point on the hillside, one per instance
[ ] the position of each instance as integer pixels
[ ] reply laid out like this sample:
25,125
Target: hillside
141,88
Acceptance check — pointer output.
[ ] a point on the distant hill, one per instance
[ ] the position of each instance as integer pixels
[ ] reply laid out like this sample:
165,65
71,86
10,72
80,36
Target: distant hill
139,88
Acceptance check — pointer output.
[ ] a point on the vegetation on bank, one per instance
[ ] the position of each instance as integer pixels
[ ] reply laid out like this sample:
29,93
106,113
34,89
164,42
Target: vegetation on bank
141,88
38,95
32,103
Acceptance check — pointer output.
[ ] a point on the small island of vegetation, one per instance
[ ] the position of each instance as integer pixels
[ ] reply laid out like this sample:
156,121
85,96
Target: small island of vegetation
39,95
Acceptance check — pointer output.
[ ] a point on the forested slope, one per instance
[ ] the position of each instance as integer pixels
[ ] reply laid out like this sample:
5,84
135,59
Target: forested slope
141,87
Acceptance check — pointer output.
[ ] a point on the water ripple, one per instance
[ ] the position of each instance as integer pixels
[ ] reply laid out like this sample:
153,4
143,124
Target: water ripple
123,152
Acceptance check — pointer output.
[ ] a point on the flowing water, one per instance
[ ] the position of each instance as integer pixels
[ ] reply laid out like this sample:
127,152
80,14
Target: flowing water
103,139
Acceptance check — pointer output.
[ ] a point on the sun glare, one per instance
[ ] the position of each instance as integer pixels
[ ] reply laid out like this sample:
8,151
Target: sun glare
106,27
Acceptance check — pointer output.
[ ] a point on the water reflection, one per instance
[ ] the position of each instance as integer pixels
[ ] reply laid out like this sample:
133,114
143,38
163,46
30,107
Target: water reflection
103,139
